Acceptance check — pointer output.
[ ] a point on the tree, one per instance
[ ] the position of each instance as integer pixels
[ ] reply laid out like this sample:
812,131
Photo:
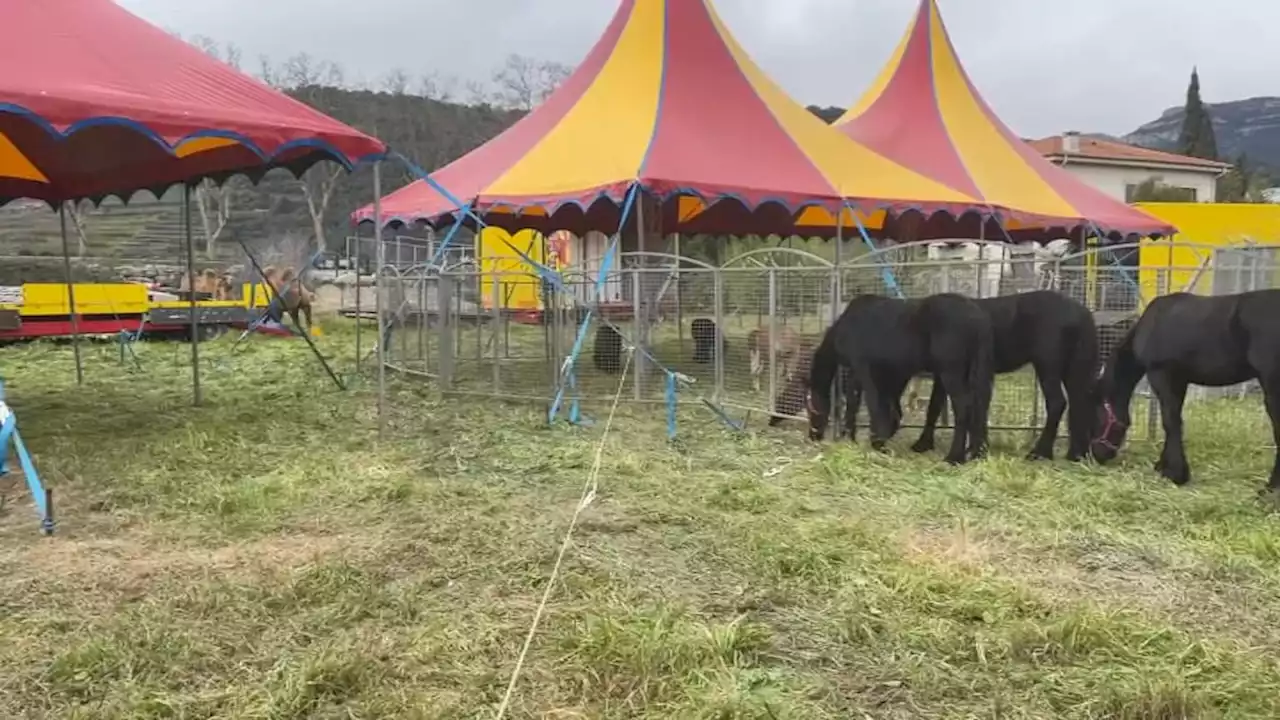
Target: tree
214,205
1197,138
396,82
318,184
1243,183
523,82
1152,190
77,224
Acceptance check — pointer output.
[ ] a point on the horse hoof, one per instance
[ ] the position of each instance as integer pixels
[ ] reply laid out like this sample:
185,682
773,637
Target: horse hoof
1178,479
922,446
952,460
1035,455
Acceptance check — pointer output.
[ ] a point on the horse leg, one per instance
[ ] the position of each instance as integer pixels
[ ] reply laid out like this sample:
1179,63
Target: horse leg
756,367
1171,391
881,423
937,399
957,387
1079,419
1271,393
1055,405
852,399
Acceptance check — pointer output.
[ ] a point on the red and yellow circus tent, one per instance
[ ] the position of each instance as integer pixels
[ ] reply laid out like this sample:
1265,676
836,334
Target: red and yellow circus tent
669,101
924,112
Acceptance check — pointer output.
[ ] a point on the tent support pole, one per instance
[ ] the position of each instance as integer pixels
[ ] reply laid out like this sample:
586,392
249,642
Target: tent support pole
377,297
191,295
71,295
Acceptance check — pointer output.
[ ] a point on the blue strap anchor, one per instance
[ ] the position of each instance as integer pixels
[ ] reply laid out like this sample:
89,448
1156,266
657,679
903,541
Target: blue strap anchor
9,435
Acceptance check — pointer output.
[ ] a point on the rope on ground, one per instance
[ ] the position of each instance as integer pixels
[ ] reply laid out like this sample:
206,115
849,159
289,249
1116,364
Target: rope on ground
589,489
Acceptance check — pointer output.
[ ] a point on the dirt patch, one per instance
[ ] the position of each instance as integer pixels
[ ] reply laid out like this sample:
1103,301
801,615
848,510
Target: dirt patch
134,565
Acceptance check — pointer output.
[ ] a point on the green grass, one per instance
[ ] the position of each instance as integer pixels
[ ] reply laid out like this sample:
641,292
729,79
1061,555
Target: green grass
268,556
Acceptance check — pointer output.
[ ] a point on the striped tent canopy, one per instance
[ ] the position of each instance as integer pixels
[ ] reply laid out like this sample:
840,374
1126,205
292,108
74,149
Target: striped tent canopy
668,100
96,102
924,112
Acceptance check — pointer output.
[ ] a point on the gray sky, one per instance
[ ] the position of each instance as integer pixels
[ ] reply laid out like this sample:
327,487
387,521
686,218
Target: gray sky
1044,65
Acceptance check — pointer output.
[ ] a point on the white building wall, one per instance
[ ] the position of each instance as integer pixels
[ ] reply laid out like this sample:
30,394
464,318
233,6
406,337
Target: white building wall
1112,180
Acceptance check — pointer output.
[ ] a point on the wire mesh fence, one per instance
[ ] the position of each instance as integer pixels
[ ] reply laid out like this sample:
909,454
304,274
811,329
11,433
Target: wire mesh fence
741,334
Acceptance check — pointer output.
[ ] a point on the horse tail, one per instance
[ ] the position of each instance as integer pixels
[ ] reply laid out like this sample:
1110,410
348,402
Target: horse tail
1083,366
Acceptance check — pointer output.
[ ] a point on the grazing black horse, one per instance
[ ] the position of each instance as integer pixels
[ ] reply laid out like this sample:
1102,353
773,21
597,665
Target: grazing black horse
885,342
1057,337
1184,339
707,340
607,353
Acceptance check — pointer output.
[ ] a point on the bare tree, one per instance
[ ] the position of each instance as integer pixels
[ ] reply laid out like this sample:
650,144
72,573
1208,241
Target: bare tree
206,44
396,82
333,76
231,55
434,87
302,70
268,72
524,82
318,184
214,205
77,224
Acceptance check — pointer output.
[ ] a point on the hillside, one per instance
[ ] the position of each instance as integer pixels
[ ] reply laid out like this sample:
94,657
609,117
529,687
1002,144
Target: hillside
1248,126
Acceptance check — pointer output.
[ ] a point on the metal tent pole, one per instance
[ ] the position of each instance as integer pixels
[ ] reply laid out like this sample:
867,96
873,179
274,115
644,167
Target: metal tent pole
191,295
71,295
377,296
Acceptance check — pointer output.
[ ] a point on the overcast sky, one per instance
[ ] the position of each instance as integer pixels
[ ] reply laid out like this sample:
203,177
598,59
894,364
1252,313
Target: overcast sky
1045,65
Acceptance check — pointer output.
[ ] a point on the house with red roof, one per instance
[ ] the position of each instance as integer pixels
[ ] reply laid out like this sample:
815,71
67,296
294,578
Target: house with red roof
1117,168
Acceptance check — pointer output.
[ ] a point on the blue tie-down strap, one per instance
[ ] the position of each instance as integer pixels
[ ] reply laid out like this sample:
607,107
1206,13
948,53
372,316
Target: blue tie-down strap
9,435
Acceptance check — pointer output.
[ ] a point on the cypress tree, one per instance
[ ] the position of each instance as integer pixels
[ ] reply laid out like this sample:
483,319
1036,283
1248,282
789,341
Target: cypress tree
1197,138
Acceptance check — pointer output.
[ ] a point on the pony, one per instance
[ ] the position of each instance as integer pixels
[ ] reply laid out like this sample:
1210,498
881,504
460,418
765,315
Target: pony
1183,339
706,340
783,345
607,353
1055,335
885,342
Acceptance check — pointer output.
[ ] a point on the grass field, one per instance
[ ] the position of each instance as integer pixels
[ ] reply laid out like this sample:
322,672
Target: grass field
267,556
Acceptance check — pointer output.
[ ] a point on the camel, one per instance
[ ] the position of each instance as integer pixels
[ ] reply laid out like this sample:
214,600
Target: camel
785,347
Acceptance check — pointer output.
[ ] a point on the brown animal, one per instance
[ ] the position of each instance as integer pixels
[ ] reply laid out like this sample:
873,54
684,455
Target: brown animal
784,346
295,296
206,282
791,397
224,288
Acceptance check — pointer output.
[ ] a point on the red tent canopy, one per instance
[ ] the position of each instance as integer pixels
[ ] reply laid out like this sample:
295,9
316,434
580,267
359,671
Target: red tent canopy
924,112
94,101
667,100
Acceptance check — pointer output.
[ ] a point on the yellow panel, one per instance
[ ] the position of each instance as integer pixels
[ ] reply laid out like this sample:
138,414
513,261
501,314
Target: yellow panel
853,169
1220,223
202,144
1200,225
50,299
519,287
603,138
882,80
1001,174
13,164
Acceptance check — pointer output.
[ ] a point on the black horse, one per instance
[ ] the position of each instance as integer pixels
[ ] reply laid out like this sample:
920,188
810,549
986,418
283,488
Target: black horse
885,342
607,353
1183,339
1057,337
707,340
